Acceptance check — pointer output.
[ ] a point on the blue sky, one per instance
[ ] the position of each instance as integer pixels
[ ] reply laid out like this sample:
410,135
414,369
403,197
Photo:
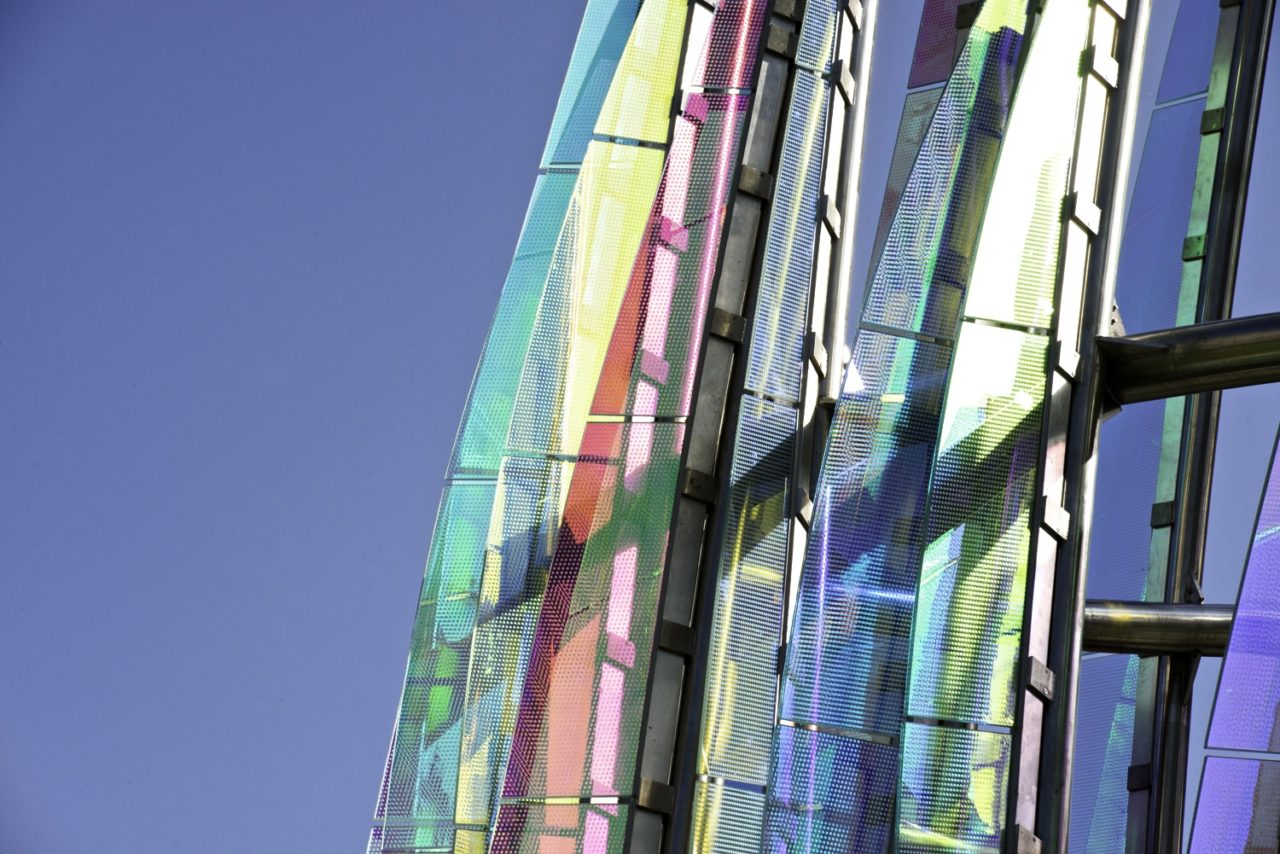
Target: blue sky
250,253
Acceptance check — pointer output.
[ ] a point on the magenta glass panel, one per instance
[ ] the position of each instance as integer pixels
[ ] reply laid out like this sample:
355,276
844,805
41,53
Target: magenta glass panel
935,54
730,58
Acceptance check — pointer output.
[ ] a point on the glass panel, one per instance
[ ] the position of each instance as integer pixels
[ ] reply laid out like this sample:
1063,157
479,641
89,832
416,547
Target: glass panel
1246,714
561,829
1186,67
601,39
1103,751
935,53
648,370
918,285
831,794
578,724
917,112
589,274
1237,812
639,102
726,820
747,627
847,657
817,42
968,621
954,790
730,59
776,358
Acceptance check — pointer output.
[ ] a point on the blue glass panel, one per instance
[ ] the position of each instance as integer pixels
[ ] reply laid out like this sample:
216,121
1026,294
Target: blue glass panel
831,794
726,820
1238,812
1186,67
817,42
1099,796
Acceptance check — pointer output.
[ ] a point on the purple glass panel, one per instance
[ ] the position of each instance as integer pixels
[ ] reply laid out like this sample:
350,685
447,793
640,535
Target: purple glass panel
935,54
1239,809
1248,702
729,61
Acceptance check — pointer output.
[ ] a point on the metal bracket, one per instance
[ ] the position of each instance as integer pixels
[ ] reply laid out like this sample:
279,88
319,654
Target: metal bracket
1041,681
1194,594
756,183
830,216
699,486
844,81
1065,359
678,638
804,506
656,797
1193,248
853,11
1139,777
1026,842
782,41
1162,514
793,9
1054,517
816,353
1084,212
1100,65
1118,8
1211,121
727,325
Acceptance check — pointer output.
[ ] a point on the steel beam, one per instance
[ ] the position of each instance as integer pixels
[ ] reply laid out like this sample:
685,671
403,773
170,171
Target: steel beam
1191,359
1156,628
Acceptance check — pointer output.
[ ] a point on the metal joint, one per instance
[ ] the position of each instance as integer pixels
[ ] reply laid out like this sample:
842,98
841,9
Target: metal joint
967,13
1193,248
816,353
1054,518
803,506
1084,212
727,325
793,9
829,214
678,638
843,79
699,486
1040,680
755,182
1211,121
1162,514
853,11
1100,65
656,797
1139,777
782,41
1026,842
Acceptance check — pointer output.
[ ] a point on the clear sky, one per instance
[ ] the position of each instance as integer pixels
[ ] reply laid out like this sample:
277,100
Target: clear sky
249,254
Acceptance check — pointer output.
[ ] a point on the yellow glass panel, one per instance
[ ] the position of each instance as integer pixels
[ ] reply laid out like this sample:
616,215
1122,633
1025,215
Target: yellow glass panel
639,102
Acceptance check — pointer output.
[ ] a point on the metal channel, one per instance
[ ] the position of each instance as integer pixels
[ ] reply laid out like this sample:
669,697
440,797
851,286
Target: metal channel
1041,795
1176,675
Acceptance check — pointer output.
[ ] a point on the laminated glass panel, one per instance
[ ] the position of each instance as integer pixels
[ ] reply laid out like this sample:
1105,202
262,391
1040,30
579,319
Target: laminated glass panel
561,829
917,112
781,319
816,44
487,416
578,729
647,370
1237,812
919,283
746,629
726,820
1186,66
935,53
730,56
411,838
1246,714
968,622
589,272
847,656
601,40
1105,712
954,790
639,102
831,793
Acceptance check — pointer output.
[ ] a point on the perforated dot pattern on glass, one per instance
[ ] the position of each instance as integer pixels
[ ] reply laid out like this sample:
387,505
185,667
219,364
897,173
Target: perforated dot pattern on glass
953,791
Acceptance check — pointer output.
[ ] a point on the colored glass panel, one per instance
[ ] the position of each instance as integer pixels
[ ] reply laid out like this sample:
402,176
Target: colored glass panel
935,53
917,112
816,44
729,59
562,829
968,619
831,794
1237,813
635,107
1105,711
1246,714
747,626
606,26
776,359
726,820
954,789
